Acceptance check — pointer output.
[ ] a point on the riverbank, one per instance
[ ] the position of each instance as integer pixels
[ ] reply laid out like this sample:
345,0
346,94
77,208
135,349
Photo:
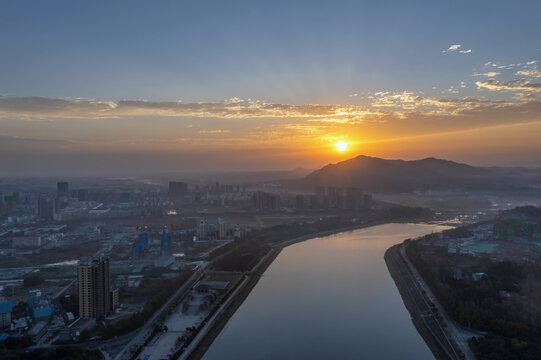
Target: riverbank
413,300
256,273
426,314
235,303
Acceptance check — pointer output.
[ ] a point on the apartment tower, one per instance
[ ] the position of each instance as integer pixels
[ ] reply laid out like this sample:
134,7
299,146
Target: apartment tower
94,298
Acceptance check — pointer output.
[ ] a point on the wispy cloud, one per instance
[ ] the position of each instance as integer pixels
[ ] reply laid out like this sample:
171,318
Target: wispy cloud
525,65
534,73
513,85
216,131
50,107
412,102
380,107
489,74
452,48
42,107
235,124
456,48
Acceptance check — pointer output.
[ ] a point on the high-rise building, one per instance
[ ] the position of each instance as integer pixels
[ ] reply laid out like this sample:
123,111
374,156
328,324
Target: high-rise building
299,202
177,188
115,299
202,230
222,229
320,192
6,306
94,297
354,198
82,195
62,189
264,201
314,203
44,209
166,243
103,303
86,276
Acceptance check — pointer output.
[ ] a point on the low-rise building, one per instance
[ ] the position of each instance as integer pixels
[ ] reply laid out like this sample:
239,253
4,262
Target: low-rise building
38,331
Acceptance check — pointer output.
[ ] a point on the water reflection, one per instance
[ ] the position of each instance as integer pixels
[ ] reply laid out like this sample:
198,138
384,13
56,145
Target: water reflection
327,298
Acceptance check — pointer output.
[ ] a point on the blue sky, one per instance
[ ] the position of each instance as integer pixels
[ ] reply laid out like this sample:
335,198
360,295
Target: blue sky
250,74
283,51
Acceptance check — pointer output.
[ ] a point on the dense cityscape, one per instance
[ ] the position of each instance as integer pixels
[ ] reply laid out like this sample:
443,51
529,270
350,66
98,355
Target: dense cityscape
81,264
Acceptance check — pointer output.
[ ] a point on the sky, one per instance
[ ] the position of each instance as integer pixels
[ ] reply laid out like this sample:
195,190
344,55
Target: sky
129,87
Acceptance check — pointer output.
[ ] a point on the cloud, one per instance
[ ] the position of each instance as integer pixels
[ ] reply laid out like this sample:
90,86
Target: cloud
6,139
434,106
176,125
50,107
456,47
42,108
525,65
513,85
497,66
489,74
217,131
535,73
452,48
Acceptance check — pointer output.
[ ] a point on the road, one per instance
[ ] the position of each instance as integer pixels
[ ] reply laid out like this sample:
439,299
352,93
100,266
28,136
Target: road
210,323
63,290
139,337
452,329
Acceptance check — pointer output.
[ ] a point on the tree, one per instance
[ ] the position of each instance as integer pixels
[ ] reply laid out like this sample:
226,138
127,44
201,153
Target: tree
32,280
85,335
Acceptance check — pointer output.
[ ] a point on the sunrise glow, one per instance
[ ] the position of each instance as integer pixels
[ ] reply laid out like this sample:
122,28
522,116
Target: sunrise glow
341,146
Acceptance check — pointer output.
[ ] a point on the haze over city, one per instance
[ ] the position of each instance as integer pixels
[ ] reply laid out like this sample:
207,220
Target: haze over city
255,180
130,87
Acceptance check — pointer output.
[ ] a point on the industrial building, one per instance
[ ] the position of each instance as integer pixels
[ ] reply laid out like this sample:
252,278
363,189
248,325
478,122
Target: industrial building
41,309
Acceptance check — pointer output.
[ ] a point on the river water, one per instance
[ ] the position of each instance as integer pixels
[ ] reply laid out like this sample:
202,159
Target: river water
327,298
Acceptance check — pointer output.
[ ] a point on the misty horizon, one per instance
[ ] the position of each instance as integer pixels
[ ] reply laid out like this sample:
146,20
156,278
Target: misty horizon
145,164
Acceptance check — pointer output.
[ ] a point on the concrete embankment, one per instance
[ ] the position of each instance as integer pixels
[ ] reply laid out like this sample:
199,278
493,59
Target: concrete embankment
232,307
423,313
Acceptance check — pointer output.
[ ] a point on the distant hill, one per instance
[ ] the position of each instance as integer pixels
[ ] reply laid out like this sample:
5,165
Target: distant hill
380,175
522,212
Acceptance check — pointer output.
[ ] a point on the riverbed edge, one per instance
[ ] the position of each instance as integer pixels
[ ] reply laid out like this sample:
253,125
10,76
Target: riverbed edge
396,265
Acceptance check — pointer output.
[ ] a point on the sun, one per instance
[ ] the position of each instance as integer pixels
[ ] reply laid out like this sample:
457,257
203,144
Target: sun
342,146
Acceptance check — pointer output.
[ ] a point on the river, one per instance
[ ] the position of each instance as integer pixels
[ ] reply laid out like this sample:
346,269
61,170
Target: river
327,298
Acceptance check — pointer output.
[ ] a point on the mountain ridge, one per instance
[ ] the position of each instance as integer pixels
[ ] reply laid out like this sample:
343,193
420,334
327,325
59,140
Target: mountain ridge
397,175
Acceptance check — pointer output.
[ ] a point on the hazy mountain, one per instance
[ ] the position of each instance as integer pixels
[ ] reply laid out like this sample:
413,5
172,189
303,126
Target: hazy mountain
380,175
